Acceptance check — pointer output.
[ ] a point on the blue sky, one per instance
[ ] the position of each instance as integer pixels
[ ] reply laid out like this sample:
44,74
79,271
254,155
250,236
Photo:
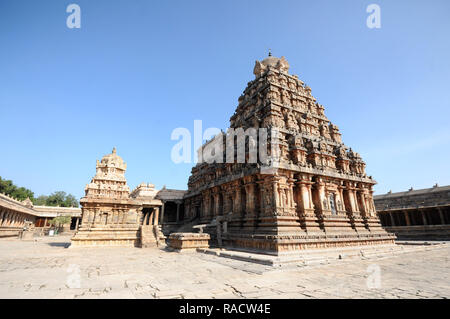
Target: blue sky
138,69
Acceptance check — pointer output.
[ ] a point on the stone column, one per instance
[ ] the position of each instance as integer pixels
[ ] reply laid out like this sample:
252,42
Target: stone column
353,201
85,217
76,223
370,203
291,183
276,196
304,196
150,217
216,203
117,217
340,208
392,219
237,201
441,215
249,207
209,203
8,218
207,200
13,219
322,196
424,218
362,200
178,212
162,212
156,216
408,221
225,201
97,216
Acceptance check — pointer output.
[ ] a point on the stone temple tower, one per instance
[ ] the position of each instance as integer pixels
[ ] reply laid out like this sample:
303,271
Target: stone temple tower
109,215
312,190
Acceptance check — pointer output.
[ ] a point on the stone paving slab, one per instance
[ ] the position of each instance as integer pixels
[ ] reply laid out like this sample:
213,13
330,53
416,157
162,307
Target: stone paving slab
45,269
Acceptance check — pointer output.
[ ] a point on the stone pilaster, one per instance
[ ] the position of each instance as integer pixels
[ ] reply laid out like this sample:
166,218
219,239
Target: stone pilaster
305,205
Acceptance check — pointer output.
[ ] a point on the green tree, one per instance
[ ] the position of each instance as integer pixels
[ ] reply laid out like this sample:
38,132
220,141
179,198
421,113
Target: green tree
20,193
61,199
40,201
56,199
59,221
70,201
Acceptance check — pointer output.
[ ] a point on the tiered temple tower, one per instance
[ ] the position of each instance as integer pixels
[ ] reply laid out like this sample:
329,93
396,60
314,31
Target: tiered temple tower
312,192
109,215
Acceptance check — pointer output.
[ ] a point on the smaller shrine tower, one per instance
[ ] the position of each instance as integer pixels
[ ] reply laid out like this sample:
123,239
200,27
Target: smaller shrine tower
109,215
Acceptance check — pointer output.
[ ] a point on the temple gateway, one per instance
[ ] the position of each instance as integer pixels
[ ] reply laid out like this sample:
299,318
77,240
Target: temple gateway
311,190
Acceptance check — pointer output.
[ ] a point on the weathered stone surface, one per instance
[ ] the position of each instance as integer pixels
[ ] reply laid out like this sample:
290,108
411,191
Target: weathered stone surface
45,269
151,236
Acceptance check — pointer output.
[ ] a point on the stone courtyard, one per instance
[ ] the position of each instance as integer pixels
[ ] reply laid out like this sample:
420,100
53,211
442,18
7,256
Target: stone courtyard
45,268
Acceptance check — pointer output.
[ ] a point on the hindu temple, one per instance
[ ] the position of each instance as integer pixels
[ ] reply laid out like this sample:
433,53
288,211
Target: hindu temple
311,192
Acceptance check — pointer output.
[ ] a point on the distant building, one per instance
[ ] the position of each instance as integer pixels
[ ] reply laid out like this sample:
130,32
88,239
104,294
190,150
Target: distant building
15,215
416,214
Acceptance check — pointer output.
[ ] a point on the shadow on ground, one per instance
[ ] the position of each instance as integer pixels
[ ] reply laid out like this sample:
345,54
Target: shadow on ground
65,245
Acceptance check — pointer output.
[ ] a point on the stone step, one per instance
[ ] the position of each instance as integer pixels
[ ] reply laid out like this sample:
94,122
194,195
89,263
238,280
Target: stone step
318,256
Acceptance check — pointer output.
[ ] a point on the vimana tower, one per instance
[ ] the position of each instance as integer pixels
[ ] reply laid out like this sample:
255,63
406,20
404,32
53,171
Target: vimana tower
310,192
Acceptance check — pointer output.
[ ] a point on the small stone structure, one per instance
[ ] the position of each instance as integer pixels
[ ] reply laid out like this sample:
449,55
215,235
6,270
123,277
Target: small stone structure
183,241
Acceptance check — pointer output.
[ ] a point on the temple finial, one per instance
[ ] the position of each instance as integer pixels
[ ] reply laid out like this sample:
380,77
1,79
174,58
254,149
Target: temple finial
270,52
114,151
